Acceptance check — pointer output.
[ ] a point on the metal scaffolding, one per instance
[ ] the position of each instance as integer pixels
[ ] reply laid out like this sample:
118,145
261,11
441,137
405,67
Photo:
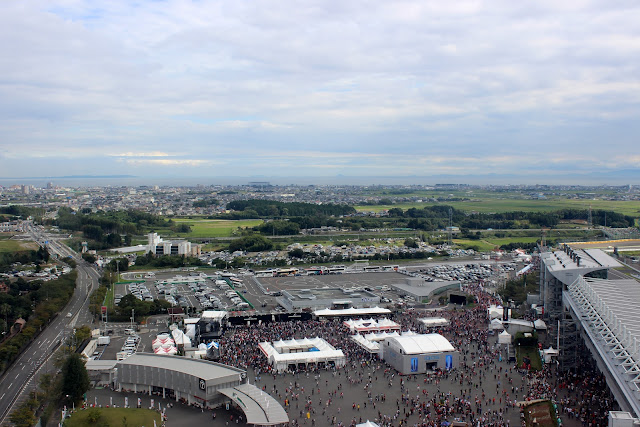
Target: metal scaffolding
611,310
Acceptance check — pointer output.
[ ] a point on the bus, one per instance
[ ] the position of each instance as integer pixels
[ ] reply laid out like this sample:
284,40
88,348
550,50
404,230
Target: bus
390,268
266,273
283,272
371,268
315,271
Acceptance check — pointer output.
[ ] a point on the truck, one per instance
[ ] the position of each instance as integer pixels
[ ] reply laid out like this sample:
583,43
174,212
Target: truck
104,340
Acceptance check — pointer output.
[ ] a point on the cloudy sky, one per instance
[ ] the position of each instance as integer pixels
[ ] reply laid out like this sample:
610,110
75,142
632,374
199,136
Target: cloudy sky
318,88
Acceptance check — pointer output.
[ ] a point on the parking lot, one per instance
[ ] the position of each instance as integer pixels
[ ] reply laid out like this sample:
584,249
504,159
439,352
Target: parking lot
196,291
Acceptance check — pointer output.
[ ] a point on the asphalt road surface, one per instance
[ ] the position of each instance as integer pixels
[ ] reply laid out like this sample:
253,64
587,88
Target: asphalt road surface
20,377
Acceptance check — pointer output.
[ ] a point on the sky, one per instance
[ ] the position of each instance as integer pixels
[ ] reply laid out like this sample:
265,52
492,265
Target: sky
181,88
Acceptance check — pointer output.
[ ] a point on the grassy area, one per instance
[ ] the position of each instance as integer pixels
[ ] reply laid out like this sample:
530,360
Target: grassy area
482,245
498,241
115,417
533,354
7,245
495,204
202,228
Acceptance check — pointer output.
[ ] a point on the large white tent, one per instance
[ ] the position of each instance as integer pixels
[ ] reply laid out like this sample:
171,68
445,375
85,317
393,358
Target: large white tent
283,353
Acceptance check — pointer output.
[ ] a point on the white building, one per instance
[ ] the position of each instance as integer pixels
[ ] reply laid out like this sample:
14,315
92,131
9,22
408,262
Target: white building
159,247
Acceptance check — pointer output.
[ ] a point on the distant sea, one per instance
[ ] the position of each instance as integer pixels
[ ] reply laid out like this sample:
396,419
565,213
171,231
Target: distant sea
628,177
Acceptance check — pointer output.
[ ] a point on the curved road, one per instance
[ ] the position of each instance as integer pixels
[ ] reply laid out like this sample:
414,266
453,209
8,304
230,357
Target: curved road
20,376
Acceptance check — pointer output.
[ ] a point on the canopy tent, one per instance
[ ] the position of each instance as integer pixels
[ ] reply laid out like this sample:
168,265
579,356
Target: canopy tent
434,322
367,424
281,353
167,350
496,325
504,337
180,338
380,336
368,345
371,325
497,312
165,343
549,354
540,325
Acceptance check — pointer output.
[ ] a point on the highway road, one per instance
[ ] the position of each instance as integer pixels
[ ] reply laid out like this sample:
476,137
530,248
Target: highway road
21,375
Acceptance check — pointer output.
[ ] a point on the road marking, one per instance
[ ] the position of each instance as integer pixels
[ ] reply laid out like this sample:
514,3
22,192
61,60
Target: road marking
10,385
17,375
23,367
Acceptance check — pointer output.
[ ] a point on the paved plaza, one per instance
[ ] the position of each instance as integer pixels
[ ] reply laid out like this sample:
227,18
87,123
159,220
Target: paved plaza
483,390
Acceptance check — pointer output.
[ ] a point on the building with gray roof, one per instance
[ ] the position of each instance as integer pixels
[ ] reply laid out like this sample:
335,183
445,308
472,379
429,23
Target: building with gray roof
198,382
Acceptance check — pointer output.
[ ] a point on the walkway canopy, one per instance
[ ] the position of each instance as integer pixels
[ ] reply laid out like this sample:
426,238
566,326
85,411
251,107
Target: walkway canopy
327,312
259,407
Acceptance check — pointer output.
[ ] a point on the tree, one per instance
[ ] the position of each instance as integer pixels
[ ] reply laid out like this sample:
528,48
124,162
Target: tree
75,380
411,243
296,253
5,309
23,417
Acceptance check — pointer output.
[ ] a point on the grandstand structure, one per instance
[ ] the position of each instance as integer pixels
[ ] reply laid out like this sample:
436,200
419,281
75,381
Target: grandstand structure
594,309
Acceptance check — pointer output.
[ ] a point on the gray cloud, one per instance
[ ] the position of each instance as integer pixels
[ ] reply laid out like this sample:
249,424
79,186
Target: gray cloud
382,87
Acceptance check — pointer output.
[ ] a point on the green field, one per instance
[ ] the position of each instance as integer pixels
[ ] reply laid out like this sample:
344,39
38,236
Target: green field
115,417
494,204
7,245
203,228
482,245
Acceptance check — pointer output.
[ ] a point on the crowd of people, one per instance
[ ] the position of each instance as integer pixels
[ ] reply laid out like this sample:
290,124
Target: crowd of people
483,390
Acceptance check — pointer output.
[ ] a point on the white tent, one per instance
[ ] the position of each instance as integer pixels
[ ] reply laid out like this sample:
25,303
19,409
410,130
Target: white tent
504,338
496,325
281,353
549,354
180,338
497,311
540,325
367,424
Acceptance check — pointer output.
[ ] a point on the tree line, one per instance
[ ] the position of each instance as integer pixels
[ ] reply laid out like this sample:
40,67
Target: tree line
105,229
275,209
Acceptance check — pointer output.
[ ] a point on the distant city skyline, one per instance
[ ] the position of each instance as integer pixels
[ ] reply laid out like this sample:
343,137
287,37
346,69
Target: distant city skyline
469,91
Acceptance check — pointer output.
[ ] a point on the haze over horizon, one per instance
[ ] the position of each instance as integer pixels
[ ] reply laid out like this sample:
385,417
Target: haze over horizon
189,89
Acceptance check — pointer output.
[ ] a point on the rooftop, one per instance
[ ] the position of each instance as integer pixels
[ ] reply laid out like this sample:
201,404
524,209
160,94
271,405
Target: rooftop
194,367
